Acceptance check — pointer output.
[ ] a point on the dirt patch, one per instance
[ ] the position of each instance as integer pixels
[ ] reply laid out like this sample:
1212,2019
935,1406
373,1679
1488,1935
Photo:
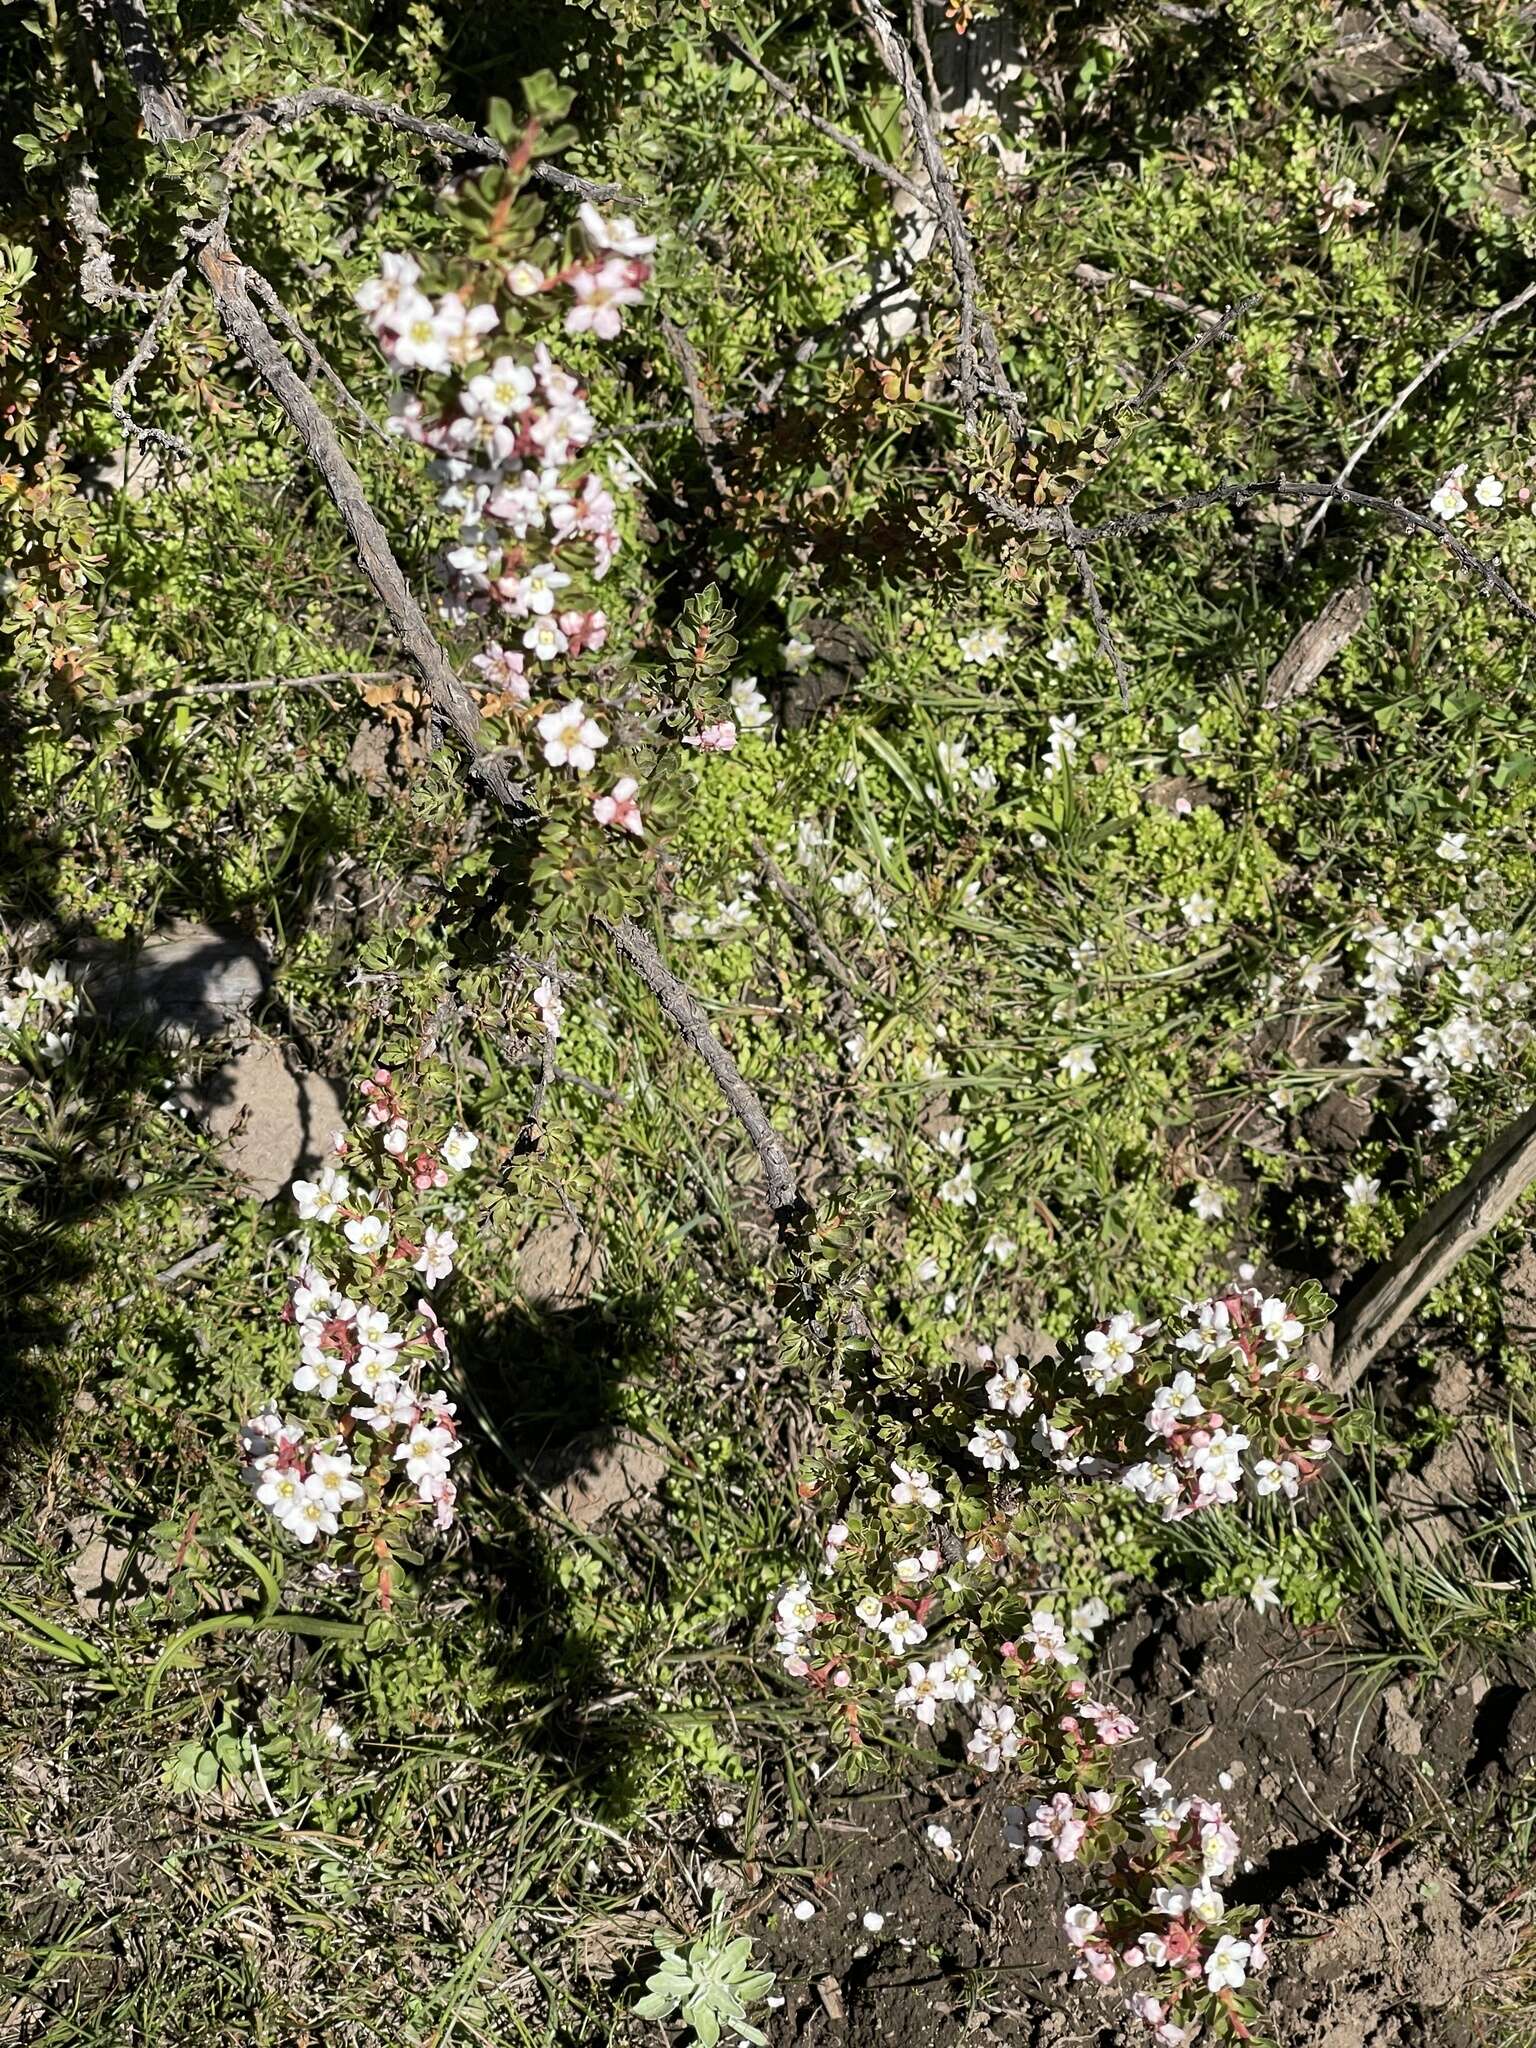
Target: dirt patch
1379,1942
559,1266
596,1476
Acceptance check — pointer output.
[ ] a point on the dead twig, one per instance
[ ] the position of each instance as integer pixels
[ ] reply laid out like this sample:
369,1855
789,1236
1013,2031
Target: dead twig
1049,519
1484,325
977,340
1442,1237
123,383
789,1206
1316,645
1436,34
531,1136
1096,279
446,135
319,367
893,176
800,911
1073,536
685,356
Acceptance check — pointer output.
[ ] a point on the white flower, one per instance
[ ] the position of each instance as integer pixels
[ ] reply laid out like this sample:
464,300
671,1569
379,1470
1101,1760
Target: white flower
994,1447
1062,743
318,1200
331,1478
1048,1639
1192,742
1198,909
749,705
1225,1965
874,1151
913,1488
1452,847
987,643
458,1150
1080,1924
1077,1062
959,1191
434,1261
1209,1202
870,1610
1061,654
1010,1390
999,1246
941,1840
547,1001
1490,491
1449,501
619,235
571,739
797,654
903,1631
926,1690
1361,1190
1264,1593
544,640
366,1234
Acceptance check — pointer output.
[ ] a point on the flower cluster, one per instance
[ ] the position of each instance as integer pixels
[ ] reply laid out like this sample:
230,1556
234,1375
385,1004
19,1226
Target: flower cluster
42,1009
1233,1404
370,1343
1442,997
928,1607
1151,1916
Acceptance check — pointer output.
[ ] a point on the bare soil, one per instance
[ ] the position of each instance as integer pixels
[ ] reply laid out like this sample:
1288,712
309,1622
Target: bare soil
1380,1939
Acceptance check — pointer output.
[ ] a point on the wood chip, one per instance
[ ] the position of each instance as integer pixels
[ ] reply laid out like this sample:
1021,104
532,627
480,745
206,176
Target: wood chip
1316,645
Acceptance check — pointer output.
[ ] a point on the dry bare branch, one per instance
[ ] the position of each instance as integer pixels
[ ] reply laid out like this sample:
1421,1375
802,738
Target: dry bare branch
319,367
174,692
124,382
779,1179
1440,1239
978,341
1096,279
1479,327
893,176
1436,34
445,135
1049,519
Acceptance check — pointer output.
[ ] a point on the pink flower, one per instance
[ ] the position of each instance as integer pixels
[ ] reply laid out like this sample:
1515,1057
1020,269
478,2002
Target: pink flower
504,667
713,739
1058,1822
584,630
619,809
601,292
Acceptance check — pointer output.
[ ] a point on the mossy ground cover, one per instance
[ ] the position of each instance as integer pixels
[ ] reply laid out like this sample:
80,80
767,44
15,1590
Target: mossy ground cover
470,1822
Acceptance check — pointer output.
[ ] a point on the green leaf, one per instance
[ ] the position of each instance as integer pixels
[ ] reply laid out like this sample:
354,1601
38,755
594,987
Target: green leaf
548,101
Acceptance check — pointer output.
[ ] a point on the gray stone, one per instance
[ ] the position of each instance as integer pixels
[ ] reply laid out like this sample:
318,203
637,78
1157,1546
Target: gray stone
271,1122
189,981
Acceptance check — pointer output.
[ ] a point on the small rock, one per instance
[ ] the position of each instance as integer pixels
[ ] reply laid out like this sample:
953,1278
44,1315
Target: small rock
104,1572
559,1266
1403,1734
270,1122
190,980
609,1477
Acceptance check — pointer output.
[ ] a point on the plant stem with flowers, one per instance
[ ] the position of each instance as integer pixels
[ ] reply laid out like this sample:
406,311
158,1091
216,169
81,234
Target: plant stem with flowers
371,1346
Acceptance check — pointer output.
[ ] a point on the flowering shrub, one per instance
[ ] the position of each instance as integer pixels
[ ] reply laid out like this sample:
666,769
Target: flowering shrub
537,519
376,1452
927,1608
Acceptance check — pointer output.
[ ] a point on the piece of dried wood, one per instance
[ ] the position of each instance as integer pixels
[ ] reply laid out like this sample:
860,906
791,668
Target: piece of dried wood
1442,1237
1316,645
